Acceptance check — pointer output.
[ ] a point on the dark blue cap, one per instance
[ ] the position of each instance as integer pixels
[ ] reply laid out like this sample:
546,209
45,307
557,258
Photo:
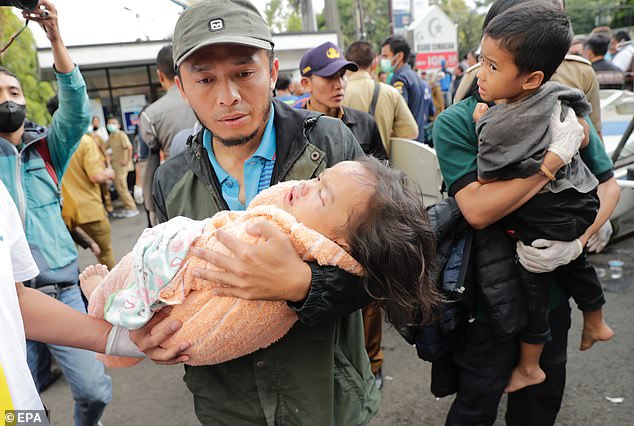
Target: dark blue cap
324,60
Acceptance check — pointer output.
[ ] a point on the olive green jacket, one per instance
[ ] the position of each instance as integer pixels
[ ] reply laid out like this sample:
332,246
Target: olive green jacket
319,373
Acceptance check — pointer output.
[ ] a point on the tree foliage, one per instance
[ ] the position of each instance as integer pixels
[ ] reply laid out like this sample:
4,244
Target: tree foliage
375,23
21,59
621,14
469,23
282,15
587,14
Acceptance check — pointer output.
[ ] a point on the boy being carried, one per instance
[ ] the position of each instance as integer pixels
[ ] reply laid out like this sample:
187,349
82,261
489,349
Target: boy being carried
521,49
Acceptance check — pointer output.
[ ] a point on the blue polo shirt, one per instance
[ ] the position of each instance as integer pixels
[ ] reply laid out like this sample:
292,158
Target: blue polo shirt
258,169
417,94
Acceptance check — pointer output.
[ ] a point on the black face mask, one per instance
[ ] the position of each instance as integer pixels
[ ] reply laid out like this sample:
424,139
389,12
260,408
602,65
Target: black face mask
12,116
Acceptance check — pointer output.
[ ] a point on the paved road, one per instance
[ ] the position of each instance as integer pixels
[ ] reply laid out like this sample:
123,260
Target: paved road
155,395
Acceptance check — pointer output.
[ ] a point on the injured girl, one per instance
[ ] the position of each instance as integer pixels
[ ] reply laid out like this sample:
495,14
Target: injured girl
358,215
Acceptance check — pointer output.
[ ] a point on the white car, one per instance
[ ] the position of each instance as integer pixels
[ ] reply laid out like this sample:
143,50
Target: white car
617,115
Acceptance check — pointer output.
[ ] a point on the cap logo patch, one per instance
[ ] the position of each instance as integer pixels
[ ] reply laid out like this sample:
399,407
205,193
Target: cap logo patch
333,53
216,24
306,69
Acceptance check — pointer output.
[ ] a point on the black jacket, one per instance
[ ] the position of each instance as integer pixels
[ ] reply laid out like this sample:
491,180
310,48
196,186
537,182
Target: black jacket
478,269
364,128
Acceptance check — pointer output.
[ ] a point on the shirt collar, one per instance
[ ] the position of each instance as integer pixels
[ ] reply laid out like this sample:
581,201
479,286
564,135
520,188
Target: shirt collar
266,149
359,75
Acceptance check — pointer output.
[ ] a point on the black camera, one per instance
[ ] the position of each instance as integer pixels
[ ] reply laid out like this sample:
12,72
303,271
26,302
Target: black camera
20,4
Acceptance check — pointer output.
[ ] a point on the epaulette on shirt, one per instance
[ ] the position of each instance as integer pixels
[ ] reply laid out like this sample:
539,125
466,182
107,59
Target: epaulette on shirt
473,67
576,58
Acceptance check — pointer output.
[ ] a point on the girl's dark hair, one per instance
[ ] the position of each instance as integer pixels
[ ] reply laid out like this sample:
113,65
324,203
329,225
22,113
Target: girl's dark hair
394,242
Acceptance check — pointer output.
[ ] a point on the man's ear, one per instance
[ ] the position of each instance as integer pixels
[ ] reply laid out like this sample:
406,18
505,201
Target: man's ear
306,84
160,75
179,84
274,72
399,59
533,80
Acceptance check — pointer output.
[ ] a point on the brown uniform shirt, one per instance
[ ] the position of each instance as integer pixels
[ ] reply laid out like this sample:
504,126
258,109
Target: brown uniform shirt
392,114
574,72
82,198
120,143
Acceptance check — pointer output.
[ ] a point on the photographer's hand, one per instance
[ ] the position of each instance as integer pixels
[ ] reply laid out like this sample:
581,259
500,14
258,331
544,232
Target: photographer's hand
45,14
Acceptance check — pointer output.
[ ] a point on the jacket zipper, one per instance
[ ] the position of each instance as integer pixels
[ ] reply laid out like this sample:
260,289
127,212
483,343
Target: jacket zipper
306,126
212,178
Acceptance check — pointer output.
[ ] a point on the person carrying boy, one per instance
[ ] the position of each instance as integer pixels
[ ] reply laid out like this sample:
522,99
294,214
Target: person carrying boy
319,373
517,81
483,359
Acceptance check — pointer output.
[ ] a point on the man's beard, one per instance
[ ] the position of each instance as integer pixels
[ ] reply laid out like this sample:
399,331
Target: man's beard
243,140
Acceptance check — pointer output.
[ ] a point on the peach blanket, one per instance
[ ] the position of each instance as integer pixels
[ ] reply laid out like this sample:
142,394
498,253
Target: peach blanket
218,328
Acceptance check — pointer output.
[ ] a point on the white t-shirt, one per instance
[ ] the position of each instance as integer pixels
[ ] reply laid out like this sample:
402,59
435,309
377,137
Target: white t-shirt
17,390
623,58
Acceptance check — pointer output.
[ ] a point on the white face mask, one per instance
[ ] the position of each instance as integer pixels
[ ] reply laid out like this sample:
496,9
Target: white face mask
112,128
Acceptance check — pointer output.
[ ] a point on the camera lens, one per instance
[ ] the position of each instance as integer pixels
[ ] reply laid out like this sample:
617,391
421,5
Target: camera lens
20,4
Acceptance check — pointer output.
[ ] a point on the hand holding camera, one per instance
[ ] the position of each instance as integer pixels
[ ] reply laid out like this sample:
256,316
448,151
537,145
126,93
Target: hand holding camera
45,14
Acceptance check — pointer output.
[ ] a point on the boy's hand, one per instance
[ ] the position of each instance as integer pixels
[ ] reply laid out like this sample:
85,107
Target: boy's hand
480,109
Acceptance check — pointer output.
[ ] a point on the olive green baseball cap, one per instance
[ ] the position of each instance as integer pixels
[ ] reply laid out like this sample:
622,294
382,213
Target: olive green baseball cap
219,22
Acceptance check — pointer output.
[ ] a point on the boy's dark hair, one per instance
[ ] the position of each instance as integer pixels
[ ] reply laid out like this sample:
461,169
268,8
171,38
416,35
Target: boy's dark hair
535,33
620,36
598,43
394,242
165,62
500,6
283,82
361,53
398,44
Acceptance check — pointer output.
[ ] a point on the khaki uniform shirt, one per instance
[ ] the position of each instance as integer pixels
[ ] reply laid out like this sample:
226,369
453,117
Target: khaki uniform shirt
82,198
392,114
119,143
574,72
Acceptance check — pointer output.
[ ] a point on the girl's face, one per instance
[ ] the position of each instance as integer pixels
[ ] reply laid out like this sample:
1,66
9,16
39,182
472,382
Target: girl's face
327,202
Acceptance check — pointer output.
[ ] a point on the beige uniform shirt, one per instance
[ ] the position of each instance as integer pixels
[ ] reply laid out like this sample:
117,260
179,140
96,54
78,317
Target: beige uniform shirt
82,198
119,143
392,114
574,72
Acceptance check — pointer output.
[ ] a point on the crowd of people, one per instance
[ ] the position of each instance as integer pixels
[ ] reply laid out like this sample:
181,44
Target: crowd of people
230,129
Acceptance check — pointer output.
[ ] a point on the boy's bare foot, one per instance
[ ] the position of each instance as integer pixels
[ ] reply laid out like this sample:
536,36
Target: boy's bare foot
520,378
592,334
90,278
